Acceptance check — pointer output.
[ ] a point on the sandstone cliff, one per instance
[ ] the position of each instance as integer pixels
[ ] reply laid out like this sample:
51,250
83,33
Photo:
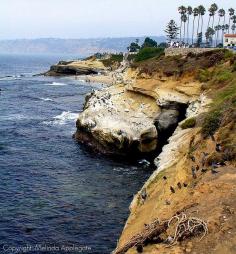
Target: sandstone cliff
195,174
138,115
189,100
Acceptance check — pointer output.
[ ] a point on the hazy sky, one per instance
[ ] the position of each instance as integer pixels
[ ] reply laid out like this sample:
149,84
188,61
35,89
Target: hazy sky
90,18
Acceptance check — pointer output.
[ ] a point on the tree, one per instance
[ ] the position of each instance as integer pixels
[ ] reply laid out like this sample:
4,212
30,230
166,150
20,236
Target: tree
209,34
233,18
217,29
199,39
182,10
189,13
134,47
195,14
149,43
211,13
233,27
172,30
213,9
231,14
223,28
221,14
184,20
201,12
164,44
226,27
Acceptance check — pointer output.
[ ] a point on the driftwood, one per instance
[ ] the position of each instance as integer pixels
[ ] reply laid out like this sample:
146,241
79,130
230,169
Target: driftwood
151,231
185,227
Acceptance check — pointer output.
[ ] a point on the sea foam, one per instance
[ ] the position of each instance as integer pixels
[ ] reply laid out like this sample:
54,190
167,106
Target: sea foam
45,99
56,84
63,118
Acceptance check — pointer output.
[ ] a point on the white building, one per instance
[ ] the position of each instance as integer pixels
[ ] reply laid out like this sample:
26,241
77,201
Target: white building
230,40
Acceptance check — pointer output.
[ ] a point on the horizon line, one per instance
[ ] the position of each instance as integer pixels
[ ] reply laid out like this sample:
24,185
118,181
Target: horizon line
86,38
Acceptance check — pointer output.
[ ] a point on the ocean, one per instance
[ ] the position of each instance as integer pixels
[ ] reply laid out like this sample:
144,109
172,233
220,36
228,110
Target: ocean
56,195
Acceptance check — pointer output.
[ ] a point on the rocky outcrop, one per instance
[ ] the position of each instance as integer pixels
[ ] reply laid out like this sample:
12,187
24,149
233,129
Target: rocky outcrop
119,121
126,119
135,117
86,67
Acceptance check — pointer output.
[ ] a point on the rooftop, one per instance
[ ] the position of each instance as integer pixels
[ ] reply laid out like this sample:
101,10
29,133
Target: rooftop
230,35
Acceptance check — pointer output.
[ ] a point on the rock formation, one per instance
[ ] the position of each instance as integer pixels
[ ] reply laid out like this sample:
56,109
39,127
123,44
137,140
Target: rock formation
78,67
119,121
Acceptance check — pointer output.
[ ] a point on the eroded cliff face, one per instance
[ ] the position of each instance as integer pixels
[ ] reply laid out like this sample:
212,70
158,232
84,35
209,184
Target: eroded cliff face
195,174
135,117
119,121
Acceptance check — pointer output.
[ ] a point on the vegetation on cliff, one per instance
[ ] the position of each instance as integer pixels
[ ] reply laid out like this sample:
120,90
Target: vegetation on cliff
198,164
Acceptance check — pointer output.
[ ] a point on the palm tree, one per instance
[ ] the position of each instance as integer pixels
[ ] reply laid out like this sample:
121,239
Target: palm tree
189,13
195,14
221,13
184,20
231,13
201,12
217,29
182,11
233,18
226,27
210,15
223,28
233,27
209,34
213,9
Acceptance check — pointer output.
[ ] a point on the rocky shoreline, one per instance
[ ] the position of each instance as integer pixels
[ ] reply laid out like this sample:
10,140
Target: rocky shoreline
162,103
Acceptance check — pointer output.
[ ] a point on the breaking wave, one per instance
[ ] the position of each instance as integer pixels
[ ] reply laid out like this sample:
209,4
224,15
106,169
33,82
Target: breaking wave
9,78
56,84
45,99
63,118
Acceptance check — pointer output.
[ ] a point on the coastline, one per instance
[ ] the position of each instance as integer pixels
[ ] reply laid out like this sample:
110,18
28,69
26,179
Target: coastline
147,110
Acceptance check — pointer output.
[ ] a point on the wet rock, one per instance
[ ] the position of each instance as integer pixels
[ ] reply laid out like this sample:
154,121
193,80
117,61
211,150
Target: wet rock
144,163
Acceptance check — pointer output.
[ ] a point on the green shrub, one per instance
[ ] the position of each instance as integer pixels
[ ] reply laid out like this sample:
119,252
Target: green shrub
211,123
131,57
204,75
114,58
147,53
224,76
189,123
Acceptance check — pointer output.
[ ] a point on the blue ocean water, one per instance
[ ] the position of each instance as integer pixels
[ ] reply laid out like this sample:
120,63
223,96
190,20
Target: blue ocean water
55,192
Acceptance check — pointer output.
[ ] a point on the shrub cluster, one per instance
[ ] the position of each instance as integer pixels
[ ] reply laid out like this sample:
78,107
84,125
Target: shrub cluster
211,123
147,53
189,123
114,58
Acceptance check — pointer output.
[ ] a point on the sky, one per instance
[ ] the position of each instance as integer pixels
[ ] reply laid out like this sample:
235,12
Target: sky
90,18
